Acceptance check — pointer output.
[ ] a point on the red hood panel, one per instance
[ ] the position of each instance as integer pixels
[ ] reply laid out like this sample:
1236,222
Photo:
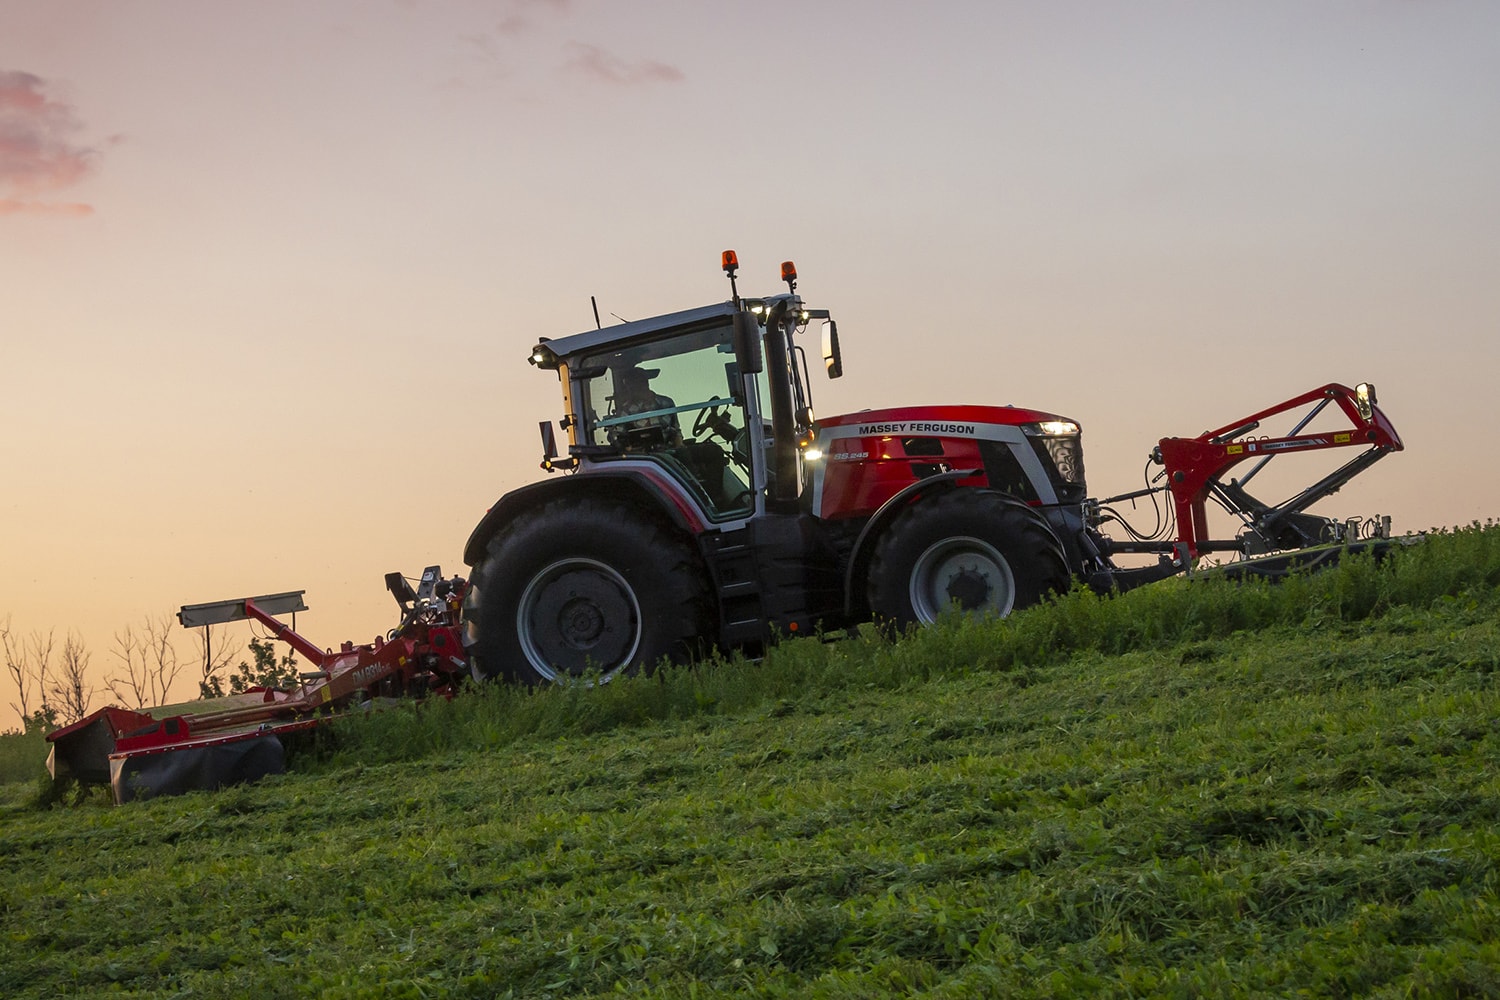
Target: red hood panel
941,413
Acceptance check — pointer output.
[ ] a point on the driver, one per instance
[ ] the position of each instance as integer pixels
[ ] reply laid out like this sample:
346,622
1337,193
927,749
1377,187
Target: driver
633,394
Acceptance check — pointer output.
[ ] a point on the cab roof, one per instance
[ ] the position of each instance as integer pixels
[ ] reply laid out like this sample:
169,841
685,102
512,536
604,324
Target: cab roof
593,340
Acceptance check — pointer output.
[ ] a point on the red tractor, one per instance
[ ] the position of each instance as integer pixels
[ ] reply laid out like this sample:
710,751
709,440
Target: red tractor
706,506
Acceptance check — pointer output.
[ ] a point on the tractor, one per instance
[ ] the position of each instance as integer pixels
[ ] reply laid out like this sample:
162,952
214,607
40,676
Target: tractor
704,505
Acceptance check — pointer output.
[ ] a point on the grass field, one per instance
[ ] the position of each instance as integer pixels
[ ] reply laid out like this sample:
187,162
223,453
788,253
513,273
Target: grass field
22,755
1193,790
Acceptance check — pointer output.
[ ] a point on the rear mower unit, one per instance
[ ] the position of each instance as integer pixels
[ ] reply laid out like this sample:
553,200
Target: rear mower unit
219,741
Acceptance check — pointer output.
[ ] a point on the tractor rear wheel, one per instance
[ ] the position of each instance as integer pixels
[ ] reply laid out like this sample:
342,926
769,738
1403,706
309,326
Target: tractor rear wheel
983,551
580,587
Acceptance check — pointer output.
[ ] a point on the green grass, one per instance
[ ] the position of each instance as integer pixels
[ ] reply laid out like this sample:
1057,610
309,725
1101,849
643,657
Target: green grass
23,756
1193,790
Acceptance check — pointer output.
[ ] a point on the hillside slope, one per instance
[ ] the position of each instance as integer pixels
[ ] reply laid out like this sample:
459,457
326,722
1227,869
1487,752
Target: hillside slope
1196,789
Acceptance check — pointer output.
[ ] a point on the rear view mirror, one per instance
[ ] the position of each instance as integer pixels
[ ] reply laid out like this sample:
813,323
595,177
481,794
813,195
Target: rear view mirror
549,441
747,344
832,359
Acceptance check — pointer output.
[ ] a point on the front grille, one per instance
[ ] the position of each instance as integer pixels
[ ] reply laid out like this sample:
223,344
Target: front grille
1063,459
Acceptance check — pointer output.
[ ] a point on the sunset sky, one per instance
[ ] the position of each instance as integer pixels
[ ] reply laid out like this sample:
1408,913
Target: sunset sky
271,270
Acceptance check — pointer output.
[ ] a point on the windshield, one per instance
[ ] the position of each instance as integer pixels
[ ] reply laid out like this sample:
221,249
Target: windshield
679,400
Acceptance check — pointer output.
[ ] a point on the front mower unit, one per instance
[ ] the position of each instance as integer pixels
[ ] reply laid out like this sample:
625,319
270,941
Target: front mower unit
1194,471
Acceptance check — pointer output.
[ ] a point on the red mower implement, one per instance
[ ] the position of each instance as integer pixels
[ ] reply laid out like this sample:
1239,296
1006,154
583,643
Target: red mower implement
220,741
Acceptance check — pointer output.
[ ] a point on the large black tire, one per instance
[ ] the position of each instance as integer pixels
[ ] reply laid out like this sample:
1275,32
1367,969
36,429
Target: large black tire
583,586
984,551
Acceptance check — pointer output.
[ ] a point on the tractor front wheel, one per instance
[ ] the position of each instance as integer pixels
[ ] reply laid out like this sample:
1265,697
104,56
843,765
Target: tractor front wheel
978,550
583,587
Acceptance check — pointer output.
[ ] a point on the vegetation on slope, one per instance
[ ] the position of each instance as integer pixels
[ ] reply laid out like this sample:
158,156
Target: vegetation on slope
1195,789
22,754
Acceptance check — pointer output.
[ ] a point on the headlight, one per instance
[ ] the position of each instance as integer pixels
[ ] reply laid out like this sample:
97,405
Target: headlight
1050,428
1364,400
543,357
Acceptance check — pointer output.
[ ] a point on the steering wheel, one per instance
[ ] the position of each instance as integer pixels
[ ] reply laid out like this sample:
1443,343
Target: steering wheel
714,419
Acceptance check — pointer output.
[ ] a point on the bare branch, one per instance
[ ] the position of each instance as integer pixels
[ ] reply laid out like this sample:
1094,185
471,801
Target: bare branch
161,656
15,665
39,652
147,664
72,692
27,662
130,688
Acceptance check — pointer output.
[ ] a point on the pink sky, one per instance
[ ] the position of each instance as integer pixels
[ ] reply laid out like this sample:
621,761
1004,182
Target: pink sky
271,270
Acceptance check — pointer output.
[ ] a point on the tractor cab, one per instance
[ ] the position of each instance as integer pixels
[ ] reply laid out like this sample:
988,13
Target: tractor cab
679,402
716,397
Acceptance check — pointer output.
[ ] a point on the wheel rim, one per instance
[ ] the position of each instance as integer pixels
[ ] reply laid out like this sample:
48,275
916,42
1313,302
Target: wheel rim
966,571
578,615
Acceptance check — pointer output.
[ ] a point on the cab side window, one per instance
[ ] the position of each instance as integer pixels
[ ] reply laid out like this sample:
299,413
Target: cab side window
679,402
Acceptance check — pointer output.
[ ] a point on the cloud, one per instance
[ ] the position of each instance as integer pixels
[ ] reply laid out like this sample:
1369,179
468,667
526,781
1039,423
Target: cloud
596,63
518,19
13,206
522,31
38,153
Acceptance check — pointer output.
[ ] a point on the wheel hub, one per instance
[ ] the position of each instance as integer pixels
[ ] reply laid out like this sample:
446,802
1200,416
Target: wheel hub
962,570
578,615
969,589
581,623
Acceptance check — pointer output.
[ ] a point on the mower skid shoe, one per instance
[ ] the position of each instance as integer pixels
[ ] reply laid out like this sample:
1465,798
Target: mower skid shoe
195,769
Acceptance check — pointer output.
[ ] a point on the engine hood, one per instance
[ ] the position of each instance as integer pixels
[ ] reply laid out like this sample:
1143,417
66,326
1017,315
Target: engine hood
937,419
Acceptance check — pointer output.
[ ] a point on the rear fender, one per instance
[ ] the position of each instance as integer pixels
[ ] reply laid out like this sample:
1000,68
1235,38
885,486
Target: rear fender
643,485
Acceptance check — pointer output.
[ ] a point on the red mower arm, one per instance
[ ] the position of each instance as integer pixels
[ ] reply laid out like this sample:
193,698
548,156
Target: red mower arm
1195,465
